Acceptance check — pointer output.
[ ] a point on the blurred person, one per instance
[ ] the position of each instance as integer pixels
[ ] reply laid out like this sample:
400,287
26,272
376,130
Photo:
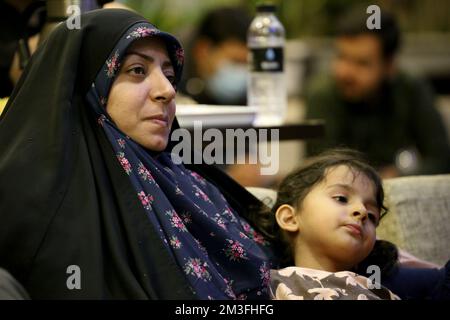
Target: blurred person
24,19
370,105
216,74
109,4
12,28
217,71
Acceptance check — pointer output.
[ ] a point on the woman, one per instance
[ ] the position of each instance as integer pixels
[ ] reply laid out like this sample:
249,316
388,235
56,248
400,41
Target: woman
91,205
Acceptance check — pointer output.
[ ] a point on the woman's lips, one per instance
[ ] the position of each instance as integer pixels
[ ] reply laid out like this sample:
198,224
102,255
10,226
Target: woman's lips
159,120
162,123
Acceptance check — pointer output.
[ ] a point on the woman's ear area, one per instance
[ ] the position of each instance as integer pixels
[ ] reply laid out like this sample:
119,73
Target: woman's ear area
286,217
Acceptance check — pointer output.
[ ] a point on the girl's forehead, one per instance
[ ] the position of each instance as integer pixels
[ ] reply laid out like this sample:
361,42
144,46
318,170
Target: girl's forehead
346,175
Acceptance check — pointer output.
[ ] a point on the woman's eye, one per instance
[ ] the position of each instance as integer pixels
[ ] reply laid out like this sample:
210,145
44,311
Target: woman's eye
137,70
341,199
171,79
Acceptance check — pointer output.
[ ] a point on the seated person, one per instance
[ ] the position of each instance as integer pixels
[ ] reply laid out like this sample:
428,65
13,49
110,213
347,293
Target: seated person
370,105
324,220
89,190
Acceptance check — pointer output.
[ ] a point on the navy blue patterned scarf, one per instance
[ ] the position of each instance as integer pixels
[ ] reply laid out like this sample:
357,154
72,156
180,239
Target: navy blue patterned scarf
221,254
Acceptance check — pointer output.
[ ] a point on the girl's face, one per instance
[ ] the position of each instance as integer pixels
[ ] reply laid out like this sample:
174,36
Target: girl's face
335,224
142,98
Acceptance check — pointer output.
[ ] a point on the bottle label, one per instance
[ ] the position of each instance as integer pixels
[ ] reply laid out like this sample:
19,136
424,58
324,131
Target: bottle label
266,59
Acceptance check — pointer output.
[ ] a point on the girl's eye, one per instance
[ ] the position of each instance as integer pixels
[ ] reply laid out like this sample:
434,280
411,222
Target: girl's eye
373,217
341,199
137,70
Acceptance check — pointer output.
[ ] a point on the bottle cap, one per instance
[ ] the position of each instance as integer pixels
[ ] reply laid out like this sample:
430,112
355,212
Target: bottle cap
266,8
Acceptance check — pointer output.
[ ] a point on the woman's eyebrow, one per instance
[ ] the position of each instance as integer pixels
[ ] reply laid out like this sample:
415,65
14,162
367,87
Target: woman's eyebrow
165,64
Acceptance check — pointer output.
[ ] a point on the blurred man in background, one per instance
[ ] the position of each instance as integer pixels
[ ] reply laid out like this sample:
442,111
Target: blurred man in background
217,63
369,105
216,74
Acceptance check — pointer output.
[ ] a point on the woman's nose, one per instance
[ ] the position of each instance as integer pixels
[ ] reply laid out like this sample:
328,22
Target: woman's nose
162,90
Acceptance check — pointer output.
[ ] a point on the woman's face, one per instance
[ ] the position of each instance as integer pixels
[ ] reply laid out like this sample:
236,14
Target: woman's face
142,98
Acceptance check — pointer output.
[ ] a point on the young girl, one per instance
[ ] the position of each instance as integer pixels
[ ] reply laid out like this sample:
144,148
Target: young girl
324,221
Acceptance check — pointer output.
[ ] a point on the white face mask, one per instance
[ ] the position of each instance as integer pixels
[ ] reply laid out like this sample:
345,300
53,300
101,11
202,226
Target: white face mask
229,83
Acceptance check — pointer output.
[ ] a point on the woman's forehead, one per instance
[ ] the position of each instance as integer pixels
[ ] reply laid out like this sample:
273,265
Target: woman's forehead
148,43
150,49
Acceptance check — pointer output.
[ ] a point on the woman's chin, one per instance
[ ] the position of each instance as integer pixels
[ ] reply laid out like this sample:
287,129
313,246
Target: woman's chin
155,144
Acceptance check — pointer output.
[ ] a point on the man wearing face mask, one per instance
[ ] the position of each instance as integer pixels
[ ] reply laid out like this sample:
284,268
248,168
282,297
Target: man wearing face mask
217,73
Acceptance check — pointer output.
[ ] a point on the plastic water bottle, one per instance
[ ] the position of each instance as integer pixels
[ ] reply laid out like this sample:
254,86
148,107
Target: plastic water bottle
266,87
